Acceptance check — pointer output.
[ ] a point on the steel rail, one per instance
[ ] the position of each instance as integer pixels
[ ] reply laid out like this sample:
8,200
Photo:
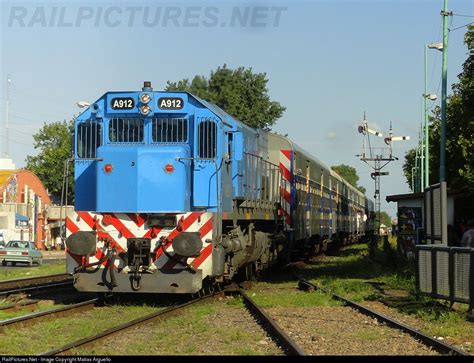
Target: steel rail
39,287
130,324
19,305
62,311
426,339
271,326
30,281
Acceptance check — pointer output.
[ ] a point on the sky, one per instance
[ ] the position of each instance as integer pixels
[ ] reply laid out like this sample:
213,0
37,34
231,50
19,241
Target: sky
327,62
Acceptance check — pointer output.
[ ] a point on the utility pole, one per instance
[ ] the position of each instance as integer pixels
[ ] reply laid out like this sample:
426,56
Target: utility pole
377,159
444,83
422,160
425,119
7,116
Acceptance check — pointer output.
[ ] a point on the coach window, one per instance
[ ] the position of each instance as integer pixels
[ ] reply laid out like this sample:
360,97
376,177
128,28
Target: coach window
126,130
207,139
89,138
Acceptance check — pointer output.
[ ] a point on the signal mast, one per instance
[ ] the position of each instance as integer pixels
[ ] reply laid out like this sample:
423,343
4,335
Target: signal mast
377,159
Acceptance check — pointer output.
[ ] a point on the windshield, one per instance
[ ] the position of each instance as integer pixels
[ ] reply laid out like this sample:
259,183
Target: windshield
18,244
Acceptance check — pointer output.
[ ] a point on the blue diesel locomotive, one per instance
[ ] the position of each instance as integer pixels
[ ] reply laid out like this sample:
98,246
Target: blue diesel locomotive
173,194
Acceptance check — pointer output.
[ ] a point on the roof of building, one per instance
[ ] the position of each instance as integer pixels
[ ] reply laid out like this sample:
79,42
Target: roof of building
25,177
397,197
5,175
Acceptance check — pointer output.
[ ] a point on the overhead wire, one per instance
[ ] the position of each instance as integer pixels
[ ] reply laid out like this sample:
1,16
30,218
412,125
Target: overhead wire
462,26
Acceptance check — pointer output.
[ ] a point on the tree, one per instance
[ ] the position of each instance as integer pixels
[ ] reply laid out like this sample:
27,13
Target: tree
240,92
407,167
385,219
349,174
459,130
54,144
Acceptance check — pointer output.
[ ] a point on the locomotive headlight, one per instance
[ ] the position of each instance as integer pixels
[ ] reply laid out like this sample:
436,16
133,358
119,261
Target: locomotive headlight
145,98
145,109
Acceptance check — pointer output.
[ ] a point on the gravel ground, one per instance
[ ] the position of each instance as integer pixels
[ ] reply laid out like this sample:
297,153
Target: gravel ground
343,331
415,322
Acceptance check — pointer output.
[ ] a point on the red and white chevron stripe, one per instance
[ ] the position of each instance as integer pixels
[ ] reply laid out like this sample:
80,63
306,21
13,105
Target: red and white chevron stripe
116,228
285,187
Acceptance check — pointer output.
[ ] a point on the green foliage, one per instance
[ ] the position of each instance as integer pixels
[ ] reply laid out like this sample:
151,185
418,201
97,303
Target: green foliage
385,219
349,174
407,167
54,144
240,92
459,130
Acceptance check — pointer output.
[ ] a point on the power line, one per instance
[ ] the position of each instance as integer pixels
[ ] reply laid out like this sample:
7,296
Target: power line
19,142
48,114
462,15
462,26
22,132
42,96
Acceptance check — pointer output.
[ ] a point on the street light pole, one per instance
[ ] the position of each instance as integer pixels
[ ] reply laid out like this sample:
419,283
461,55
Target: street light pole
422,159
426,130
444,84
431,97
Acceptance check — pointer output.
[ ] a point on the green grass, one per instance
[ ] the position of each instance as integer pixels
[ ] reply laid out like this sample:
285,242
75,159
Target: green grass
25,271
194,331
4,315
353,275
46,335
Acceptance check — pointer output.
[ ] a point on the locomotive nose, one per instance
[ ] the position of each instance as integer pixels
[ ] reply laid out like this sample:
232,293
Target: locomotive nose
148,179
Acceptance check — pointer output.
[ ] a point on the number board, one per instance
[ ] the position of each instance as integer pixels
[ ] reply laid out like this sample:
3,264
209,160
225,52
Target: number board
122,103
170,103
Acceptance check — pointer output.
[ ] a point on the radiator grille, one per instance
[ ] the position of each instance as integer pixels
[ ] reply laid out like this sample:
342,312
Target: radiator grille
170,130
89,138
207,139
126,130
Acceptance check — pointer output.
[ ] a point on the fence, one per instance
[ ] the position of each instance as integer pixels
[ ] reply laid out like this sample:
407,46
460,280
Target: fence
446,273
436,214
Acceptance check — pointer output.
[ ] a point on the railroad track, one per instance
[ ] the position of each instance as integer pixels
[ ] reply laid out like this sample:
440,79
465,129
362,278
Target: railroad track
163,313
267,323
35,284
29,319
271,327
429,341
29,304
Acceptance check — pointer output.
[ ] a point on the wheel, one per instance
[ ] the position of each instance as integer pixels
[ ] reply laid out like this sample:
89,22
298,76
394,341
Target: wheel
4,263
39,262
13,263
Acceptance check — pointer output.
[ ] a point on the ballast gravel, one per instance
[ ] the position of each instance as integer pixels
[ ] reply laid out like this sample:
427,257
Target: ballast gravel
344,331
